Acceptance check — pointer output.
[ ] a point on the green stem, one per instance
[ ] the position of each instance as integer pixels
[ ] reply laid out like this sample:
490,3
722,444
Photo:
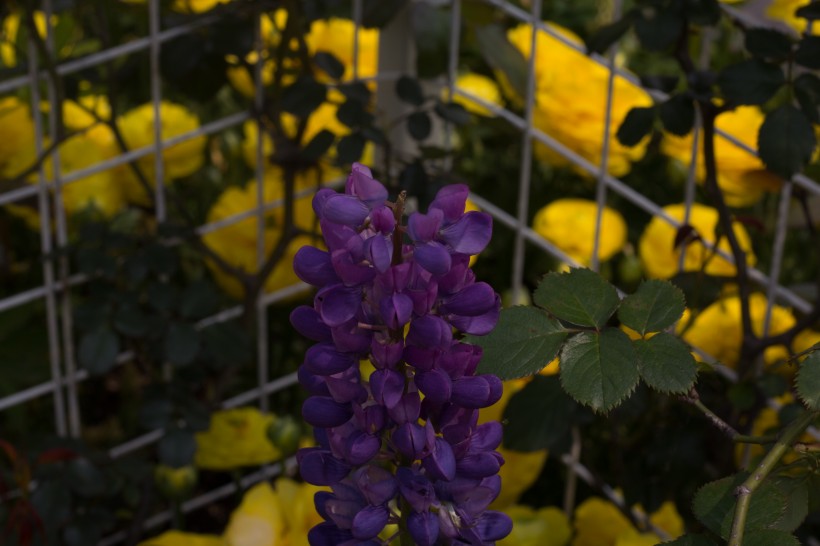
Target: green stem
755,479
744,439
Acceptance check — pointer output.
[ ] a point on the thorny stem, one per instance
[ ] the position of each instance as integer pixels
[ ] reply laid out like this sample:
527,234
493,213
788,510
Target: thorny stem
694,398
767,465
571,487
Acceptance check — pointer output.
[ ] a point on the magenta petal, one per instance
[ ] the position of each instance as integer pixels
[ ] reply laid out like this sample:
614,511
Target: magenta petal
451,199
383,220
337,236
430,331
369,522
479,465
349,271
487,436
376,484
387,387
361,448
360,182
343,390
423,527
319,467
479,325
320,198
345,209
309,323
423,228
378,250
396,310
471,234
471,301
475,392
433,257
440,464
323,412
313,266
324,359
337,304
349,338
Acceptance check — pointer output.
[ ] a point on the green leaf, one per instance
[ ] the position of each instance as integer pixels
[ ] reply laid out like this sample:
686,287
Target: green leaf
807,92
770,537
452,112
377,13
98,350
786,141
714,505
580,296
177,448
702,12
161,259
678,114
199,299
431,30
665,363
353,113
227,344
181,343
155,413
162,296
658,27
655,306
131,321
750,82
538,416
355,90
768,43
303,96
808,381
85,479
637,124
328,62
409,90
598,369
796,492
605,36
318,145
691,540
419,125
501,55
808,52
809,11
350,148
525,340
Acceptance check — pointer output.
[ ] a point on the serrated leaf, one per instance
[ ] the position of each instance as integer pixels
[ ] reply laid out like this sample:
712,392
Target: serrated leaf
770,537
768,43
808,381
538,416
409,90
750,81
796,493
786,141
524,341
808,52
177,448
598,369
714,505
579,296
636,126
303,97
419,125
501,55
665,363
691,540
98,350
605,36
328,62
657,27
654,306
181,343
350,148
807,92
678,114
318,145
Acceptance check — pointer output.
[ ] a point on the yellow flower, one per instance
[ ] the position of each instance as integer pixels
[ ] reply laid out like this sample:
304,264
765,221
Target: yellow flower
598,522
741,175
480,86
16,135
545,527
237,243
660,258
335,36
569,224
183,159
717,330
259,520
783,10
178,538
175,483
298,508
242,78
10,29
188,6
571,92
766,423
236,437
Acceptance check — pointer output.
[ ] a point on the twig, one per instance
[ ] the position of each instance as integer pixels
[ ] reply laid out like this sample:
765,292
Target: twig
694,398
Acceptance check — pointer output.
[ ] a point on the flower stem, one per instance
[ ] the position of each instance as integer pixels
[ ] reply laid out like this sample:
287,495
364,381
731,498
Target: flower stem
755,479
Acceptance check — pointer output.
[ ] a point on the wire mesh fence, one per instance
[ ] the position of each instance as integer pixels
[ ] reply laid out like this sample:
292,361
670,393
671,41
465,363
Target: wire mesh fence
42,83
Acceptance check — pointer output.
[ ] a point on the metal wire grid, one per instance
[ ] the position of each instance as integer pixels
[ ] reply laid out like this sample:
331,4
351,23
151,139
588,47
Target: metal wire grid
57,283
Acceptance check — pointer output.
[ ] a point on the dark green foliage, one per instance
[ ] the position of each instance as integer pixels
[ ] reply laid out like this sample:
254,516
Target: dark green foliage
786,141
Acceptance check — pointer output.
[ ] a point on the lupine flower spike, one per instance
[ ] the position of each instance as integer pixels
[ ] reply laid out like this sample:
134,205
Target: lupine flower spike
401,446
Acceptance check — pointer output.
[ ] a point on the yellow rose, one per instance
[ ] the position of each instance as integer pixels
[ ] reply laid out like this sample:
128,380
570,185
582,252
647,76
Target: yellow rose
178,538
544,527
237,243
480,86
175,483
242,78
570,101
783,10
187,6
183,159
718,331
236,437
741,175
259,520
335,36
660,258
10,29
569,224
298,509
16,135
598,522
